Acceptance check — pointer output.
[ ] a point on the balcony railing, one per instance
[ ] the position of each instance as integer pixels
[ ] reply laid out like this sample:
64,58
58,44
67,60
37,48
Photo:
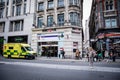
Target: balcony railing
110,13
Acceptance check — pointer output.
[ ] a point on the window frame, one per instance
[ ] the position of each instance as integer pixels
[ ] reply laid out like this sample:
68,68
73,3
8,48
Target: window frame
50,4
60,22
50,21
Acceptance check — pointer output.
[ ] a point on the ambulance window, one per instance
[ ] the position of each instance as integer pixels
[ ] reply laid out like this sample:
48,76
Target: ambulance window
22,48
10,47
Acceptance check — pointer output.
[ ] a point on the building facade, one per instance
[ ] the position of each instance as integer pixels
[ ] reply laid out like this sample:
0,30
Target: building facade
16,19
105,23
86,35
58,26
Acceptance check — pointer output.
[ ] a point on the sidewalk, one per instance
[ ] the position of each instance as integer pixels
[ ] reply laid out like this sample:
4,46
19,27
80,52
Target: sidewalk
79,60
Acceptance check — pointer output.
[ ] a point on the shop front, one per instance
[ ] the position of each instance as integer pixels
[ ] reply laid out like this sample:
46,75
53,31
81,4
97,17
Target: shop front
49,44
106,41
18,39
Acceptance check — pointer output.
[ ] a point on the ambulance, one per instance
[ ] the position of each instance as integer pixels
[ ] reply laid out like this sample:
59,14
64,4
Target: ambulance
18,50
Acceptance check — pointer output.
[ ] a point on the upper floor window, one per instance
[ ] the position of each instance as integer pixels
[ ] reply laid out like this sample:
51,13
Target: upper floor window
18,10
2,26
6,11
74,2
118,5
111,23
60,3
7,2
13,1
13,10
16,26
50,21
109,4
1,12
40,22
40,6
50,4
24,8
60,19
75,18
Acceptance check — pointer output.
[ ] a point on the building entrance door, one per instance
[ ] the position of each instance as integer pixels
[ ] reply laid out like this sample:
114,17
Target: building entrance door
50,51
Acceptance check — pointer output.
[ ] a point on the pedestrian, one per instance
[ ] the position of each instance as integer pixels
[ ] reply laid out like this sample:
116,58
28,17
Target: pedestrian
62,52
91,56
77,54
113,54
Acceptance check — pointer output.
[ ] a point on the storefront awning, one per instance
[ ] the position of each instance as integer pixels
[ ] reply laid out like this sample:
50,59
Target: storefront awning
102,35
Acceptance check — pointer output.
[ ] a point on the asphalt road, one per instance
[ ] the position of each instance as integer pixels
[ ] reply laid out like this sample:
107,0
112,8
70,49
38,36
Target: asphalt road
23,72
42,69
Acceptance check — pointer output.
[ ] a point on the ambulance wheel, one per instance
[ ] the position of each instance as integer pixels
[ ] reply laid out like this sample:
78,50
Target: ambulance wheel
33,57
26,57
9,56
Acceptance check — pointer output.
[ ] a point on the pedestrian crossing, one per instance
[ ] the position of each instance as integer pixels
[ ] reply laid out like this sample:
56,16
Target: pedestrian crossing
67,67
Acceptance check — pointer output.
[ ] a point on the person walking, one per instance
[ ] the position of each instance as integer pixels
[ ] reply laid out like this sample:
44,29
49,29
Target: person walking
62,52
91,56
77,54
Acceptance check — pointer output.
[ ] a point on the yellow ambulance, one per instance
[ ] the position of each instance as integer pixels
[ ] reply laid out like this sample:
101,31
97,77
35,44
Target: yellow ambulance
18,50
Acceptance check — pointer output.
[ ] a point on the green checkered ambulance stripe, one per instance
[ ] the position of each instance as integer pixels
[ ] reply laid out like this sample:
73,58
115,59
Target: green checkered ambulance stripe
11,52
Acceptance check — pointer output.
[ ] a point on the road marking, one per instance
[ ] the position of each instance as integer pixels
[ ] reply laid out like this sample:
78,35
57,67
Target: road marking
69,67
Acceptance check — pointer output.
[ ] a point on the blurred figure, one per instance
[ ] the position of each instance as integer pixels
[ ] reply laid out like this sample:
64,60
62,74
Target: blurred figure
62,52
91,56
77,54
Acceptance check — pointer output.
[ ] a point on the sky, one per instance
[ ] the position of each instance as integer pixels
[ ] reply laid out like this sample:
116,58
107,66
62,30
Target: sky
86,10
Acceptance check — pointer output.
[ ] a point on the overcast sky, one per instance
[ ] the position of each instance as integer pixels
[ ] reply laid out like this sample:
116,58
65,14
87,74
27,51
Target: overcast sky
86,10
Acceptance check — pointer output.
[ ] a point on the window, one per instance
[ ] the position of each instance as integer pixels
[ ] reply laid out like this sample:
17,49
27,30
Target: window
23,49
40,6
74,2
7,2
1,12
18,10
118,3
13,10
2,26
110,23
60,3
13,2
60,19
75,18
10,47
6,11
50,4
109,4
25,8
50,21
40,22
16,26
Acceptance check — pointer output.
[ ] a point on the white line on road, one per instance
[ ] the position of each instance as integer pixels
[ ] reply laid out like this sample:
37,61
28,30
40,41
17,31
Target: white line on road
70,67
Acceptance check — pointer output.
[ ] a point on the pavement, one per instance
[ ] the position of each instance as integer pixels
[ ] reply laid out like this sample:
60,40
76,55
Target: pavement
75,60
65,66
